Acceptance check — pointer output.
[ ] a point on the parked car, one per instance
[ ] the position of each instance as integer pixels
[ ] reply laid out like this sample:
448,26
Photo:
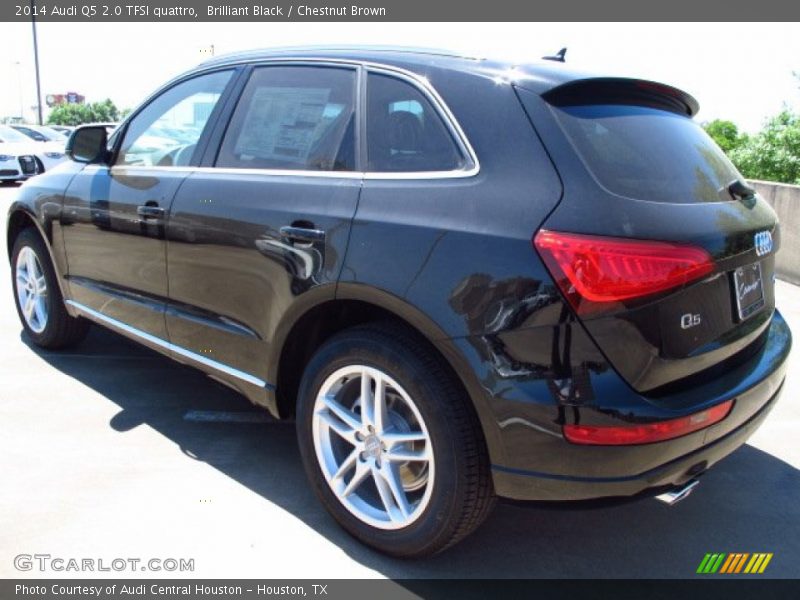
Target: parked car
18,160
64,129
51,150
40,133
464,279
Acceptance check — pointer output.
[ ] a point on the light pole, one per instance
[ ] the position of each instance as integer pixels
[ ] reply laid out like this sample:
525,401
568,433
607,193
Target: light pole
36,62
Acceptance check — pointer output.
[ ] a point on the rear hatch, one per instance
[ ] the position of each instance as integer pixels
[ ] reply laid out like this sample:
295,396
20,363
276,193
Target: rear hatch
664,252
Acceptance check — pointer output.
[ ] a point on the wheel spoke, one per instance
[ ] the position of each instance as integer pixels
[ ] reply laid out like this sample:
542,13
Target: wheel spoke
30,263
406,455
41,285
41,311
373,401
22,279
346,466
361,472
345,432
366,399
394,438
345,415
30,302
387,480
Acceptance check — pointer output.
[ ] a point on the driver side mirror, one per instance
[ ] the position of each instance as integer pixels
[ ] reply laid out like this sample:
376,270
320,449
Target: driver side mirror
87,144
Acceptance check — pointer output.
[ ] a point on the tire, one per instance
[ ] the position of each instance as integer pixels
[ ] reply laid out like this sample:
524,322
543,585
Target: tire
36,289
404,508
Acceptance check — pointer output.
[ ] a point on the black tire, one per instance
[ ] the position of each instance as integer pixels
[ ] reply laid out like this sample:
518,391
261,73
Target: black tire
462,495
60,329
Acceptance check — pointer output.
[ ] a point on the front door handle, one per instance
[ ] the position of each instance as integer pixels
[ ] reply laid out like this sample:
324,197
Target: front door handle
150,212
303,234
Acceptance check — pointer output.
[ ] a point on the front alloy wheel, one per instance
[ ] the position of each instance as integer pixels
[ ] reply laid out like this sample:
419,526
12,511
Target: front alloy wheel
38,298
31,289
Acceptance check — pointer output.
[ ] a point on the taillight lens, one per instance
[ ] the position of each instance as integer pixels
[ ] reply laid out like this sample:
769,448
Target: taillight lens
649,432
596,272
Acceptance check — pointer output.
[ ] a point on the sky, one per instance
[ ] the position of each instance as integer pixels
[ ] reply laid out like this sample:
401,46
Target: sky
738,71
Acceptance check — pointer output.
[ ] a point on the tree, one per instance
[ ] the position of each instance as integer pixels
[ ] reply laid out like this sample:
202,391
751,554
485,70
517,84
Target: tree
725,134
774,153
78,114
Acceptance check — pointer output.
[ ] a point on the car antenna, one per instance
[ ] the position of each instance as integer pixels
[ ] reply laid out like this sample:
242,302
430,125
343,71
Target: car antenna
558,56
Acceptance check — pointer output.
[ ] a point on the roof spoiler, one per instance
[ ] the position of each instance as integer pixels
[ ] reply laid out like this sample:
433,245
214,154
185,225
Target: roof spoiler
617,90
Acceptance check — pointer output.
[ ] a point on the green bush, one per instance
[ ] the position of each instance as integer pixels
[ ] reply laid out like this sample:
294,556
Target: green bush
78,114
773,154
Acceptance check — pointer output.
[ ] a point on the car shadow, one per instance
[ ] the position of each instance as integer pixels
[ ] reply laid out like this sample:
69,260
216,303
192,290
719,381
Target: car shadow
747,503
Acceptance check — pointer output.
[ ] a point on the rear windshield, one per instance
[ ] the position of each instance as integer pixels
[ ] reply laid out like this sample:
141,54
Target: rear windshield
648,154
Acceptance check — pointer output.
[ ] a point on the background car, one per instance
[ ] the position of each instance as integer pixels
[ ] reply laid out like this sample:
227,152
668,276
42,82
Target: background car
65,129
50,147
40,133
18,160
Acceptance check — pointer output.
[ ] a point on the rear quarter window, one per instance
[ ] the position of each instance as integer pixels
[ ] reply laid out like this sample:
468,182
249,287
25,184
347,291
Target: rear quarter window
648,153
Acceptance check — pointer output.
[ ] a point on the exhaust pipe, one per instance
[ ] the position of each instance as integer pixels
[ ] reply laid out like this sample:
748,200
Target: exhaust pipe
674,496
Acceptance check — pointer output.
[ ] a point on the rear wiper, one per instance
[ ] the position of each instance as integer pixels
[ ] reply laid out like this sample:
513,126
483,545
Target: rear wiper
740,190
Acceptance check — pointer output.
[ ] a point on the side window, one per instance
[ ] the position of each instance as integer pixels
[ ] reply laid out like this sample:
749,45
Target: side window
166,131
404,131
295,118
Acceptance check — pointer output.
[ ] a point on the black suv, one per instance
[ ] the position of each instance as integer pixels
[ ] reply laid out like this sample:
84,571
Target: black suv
464,279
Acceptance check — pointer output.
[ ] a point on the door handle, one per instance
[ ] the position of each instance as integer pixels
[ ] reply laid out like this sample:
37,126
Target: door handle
150,212
303,234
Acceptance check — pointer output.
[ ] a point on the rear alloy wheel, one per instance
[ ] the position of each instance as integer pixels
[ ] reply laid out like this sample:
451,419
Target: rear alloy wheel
38,298
390,442
373,447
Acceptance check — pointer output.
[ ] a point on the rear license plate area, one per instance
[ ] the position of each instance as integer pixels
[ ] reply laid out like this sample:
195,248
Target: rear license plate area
748,290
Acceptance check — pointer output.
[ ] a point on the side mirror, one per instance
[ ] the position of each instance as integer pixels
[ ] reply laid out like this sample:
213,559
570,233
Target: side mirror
87,144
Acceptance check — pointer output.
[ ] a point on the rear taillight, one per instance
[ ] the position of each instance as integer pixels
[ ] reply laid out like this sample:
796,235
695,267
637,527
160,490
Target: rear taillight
596,273
647,433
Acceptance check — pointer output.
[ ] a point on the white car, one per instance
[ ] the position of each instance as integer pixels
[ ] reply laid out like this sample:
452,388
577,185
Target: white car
18,159
50,146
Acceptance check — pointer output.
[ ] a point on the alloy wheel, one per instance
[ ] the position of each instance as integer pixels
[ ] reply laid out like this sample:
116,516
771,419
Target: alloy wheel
31,289
373,447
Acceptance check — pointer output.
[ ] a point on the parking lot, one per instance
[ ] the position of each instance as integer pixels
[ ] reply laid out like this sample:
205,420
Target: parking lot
109,450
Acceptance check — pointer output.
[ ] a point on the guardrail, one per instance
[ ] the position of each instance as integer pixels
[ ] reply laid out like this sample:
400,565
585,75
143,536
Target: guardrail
785,199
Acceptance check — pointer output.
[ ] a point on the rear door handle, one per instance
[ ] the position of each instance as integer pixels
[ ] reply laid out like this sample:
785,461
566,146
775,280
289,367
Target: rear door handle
303,234
150,212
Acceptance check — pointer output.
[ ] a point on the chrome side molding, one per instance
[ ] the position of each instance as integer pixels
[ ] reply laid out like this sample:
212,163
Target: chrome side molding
157,341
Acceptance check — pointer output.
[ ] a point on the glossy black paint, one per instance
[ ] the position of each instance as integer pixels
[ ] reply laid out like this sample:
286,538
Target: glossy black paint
221,277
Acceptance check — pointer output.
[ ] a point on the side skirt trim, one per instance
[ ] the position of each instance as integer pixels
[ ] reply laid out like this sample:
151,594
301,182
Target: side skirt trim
198,358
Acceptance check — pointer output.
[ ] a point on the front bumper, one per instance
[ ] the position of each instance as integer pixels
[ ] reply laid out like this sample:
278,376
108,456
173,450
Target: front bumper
19,168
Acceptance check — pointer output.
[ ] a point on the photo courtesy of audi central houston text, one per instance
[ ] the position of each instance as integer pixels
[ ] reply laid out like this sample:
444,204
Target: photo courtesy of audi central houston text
463,280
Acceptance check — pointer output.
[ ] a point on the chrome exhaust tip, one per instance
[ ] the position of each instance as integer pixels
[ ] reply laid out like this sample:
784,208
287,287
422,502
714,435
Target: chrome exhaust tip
678,494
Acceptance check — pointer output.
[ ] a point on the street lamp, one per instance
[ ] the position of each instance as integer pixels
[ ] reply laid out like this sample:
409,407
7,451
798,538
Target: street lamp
36,62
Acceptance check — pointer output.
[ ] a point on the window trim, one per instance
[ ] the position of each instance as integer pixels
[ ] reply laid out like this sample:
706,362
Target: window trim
363,67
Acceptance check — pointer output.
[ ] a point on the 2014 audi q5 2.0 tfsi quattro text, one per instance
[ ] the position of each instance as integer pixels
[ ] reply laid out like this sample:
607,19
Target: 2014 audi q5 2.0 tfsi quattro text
464,279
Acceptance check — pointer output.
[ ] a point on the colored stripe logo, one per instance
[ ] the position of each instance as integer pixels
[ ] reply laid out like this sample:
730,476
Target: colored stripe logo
732,563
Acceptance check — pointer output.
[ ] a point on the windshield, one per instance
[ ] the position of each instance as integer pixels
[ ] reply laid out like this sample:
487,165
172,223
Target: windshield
7,134
648,154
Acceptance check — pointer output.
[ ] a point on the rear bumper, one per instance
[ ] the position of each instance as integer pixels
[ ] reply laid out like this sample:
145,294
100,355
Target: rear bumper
529,485
531,460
